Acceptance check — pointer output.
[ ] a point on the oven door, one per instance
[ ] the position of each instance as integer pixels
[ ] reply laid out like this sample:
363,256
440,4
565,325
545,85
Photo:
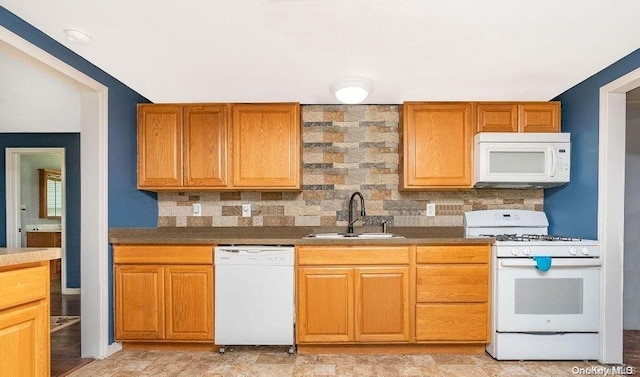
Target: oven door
566,298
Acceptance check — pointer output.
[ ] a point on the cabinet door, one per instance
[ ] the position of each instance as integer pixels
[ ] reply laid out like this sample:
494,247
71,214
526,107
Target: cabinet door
205,146
437,140
325,305
382,304
266,146
189,302
139,306
159,146
24,340
452,322
496,117
539,117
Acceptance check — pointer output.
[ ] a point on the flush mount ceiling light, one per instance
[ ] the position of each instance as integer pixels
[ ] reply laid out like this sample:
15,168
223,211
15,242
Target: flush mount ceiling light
351,90
77,35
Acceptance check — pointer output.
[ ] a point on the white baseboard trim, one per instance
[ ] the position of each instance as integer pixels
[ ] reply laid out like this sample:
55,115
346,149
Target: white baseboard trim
113,348
71,291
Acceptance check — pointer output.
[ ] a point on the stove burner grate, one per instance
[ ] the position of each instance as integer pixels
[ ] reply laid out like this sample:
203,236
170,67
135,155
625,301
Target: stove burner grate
531,237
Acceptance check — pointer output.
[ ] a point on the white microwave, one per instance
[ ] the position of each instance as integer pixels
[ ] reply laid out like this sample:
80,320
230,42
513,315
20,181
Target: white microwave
521,159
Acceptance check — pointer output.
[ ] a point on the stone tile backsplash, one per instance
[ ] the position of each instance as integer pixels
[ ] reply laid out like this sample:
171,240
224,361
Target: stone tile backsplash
346,148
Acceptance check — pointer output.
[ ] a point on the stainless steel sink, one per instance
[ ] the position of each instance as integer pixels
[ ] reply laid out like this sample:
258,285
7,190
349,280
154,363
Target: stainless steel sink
353,236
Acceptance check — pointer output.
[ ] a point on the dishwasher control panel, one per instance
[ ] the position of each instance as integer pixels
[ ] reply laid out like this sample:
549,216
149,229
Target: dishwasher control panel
254,255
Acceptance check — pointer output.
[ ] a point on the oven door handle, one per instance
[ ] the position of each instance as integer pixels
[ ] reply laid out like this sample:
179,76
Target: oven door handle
555,262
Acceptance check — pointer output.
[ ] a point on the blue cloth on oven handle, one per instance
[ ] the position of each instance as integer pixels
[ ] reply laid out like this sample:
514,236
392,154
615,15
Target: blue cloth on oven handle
543,263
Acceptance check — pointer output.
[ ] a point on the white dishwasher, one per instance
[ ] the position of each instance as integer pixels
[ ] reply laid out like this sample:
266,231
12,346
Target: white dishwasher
254,296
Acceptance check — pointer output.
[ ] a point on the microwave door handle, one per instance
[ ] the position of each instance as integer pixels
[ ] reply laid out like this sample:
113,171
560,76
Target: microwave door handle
552,171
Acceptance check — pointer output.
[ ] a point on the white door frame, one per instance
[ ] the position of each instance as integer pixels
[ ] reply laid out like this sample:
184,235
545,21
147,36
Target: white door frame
94,240
611,182
14,235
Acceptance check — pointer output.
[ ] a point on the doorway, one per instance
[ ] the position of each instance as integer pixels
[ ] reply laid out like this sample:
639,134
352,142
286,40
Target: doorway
93,126
611,216
36,204
631,297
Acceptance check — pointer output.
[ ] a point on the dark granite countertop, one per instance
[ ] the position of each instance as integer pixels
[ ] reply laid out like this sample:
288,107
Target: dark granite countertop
287,236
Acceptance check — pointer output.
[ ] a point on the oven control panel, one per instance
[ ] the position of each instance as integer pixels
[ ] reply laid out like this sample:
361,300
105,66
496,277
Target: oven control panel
523,250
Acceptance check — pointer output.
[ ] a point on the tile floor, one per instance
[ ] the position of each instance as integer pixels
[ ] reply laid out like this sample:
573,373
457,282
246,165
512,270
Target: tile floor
275,362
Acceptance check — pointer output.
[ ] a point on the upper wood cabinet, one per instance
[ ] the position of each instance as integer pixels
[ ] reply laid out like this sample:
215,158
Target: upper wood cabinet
436,142
266,146
219,146
159,146
518,117
205,145
182,146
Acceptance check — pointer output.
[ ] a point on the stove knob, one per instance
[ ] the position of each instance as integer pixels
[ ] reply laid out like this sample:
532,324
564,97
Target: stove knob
514,251
526,251
573,251
585,251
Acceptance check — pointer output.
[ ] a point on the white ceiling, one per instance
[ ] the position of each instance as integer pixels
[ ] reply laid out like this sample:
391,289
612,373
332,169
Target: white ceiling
292,50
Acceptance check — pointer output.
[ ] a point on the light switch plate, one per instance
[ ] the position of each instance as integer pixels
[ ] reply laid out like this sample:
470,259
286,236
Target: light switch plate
246,210
197,209
431,209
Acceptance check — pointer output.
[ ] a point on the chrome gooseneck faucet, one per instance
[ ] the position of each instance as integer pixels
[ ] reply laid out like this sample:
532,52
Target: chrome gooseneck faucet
351,205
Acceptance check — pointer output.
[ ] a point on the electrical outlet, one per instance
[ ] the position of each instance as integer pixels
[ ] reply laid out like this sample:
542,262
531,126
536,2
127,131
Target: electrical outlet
431,209
197,209
246,210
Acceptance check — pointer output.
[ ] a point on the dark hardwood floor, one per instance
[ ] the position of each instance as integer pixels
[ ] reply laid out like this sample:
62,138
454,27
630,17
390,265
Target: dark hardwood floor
631,348
65,343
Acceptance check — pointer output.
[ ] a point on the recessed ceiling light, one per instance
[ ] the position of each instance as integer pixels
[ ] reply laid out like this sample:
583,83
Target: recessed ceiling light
351,90
77,35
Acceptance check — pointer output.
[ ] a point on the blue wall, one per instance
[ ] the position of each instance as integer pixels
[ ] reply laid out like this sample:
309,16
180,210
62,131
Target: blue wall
71,143
573,208
128,207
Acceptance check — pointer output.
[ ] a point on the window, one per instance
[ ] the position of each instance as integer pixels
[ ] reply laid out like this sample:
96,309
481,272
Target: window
50,194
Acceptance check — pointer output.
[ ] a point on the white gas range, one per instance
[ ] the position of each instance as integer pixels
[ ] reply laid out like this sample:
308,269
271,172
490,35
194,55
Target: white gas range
545,289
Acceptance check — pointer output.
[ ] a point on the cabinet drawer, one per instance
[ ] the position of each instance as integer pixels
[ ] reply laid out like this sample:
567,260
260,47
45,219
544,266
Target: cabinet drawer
162,254
452,322
352,255
453,254
452,283
23,285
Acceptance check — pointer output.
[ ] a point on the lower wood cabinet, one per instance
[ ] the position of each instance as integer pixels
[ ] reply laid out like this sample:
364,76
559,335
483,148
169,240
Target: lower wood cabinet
382,304
452,322
47,239
325,304
24,320
452,293
158,297
351,299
